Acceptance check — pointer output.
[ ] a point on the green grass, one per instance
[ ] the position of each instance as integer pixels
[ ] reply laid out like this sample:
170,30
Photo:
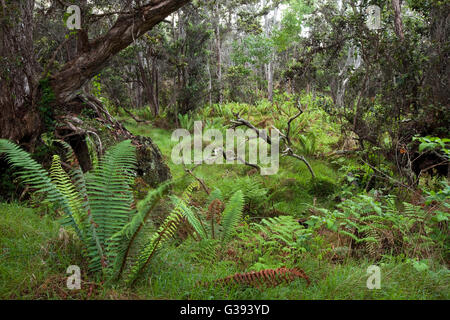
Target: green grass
215,175
33,261
175,275
290,192
33,265
22,237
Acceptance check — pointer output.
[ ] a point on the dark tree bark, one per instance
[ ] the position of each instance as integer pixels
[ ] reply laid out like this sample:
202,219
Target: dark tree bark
127,28
23,112
19,119
398,25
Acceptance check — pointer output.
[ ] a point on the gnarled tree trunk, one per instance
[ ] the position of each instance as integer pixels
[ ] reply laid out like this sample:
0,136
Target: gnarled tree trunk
19,117
25,105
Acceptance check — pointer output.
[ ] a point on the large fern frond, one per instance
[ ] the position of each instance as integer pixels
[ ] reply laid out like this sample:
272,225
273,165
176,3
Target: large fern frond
71,199
232,215
111,198
165,232
266,277
30,172
75,172
126,236
191,217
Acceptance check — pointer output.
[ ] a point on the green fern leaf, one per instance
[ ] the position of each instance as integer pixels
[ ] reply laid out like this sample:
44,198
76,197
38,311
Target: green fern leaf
232,215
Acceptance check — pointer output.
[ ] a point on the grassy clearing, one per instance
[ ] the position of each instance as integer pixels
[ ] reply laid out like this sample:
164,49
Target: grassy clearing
34,262
34,257
174,275
22,237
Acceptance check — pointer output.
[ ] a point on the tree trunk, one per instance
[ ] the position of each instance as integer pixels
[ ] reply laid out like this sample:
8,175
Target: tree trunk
127,28
27,103
154,86
19,117
218,54
396,4
268,25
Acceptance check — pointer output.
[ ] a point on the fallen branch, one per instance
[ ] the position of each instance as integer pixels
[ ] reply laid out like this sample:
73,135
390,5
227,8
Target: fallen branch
288,152
263,135
134,117
202,183
240,159
242,122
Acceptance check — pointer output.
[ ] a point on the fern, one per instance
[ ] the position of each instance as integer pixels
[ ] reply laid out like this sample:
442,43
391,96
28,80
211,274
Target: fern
228,221
71,197
308,144
271,277
100,206
162,235
253,190
186,121
31,172
380,226
111,198
128,233
232,215
190,216
284,230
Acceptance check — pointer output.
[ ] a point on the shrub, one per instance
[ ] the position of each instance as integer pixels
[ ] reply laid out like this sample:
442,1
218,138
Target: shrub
99,206
321,187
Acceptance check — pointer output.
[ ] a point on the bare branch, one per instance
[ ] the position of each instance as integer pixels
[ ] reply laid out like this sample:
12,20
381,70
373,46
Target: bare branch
288,152
262,134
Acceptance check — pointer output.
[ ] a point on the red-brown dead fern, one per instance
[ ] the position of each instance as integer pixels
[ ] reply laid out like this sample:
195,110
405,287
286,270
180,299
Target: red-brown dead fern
272,277
215,209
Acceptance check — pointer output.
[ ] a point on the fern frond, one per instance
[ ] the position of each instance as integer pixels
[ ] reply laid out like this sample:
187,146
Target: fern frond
190,216
232,215
111,197
72,201
164,233
272,277
75,172
31,172
128,233
284,229
215,194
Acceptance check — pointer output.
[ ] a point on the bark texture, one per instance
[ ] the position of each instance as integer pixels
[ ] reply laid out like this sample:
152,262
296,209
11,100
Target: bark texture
398,25
27,102
19,119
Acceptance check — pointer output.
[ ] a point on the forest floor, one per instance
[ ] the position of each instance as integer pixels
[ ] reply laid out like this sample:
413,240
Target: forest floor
34,256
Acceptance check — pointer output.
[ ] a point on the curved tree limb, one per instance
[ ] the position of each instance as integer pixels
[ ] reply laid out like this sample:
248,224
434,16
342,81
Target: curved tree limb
128,27
263,135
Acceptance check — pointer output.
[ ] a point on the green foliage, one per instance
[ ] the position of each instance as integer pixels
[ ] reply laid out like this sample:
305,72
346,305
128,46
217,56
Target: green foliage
100,210
308,144
97,87
224,222
30,172
282,233
434,143
254,192
441,196
45,106
232,215
162,235
322,187
291,24
383,228
186,121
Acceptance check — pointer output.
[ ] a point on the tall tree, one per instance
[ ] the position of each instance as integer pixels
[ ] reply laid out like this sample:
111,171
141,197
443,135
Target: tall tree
29,97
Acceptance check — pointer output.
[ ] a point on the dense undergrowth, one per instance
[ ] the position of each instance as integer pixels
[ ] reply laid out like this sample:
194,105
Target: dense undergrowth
332,227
